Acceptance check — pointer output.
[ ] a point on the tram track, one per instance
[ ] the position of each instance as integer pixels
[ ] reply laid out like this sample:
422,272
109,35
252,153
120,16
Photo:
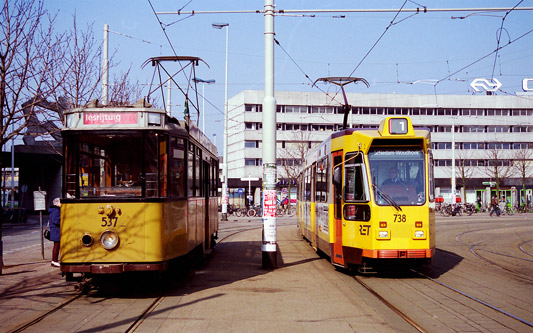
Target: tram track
416,319
391,306
232,231
530,324
475,249
227,232
46,314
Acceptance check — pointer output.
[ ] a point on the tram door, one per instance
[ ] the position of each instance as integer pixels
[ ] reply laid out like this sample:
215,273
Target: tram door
337,256
314,217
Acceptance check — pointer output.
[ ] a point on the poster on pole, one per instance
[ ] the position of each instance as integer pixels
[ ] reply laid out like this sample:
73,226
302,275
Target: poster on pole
269,235
269,203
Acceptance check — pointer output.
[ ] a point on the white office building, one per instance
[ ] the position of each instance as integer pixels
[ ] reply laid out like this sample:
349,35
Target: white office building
485,130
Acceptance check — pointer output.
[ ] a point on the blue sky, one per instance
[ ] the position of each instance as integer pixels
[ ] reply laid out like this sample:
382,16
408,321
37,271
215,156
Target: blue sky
418,48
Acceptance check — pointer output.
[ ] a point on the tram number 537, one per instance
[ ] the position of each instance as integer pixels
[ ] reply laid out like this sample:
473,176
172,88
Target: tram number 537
109,221
400,218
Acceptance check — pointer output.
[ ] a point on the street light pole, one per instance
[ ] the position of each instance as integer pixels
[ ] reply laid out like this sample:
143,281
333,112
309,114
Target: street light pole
203,82
105,66
453,163
225,197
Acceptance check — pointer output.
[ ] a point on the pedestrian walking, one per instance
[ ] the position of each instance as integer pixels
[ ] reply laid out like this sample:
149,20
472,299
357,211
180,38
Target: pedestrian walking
495,208
54,221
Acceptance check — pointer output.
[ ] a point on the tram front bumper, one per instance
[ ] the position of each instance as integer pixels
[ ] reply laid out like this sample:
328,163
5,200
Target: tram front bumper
112,268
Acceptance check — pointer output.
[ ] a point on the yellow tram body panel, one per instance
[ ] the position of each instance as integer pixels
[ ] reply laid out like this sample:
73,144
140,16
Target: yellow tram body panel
148,232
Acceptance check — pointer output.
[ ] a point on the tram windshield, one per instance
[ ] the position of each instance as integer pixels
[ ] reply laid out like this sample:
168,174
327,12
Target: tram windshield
398,176
115,165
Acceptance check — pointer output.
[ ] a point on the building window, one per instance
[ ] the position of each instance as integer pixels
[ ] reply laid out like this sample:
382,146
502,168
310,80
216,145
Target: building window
251,144
498,129
253,107
443,129
521,129
473,145
473,129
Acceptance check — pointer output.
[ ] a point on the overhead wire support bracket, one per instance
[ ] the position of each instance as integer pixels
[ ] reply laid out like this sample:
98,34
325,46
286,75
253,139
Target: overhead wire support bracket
341,81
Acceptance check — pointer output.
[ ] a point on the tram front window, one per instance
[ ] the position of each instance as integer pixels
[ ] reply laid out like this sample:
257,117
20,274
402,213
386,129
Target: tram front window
398,176
108,165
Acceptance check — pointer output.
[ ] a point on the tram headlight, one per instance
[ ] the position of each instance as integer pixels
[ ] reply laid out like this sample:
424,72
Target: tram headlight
419,234
383,234
109,240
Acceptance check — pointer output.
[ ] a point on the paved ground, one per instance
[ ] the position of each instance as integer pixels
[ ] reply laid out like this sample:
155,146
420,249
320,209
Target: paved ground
231,293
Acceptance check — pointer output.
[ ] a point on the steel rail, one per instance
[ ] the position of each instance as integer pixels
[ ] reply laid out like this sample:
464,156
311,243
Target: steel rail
41,317
391,306
521,247
475,299
472,248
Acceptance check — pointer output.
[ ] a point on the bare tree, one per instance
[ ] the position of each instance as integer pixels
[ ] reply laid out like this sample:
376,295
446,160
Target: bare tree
498,166
522,165
74,82
123,91
293,155
28,54
463,170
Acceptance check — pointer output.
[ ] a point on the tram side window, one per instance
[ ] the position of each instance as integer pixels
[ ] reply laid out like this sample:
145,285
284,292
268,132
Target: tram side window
190,172
177,168
356,188
163,158
70,170
431,176
321,180
151,166
198,173
214,177
308,184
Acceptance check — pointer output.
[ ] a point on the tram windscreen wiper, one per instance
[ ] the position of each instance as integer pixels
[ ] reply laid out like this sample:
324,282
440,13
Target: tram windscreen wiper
387,198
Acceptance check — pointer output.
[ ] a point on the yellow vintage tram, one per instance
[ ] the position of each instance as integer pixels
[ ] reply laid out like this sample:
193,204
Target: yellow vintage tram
139,188
366,196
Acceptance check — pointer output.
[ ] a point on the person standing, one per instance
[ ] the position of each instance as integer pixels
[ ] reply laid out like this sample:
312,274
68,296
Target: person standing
54,220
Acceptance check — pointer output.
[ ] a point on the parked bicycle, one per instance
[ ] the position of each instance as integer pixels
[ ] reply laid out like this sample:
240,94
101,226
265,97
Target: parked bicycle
256,210
507,211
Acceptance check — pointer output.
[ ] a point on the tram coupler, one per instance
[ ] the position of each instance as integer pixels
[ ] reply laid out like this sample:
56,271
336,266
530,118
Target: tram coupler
364,269
84,285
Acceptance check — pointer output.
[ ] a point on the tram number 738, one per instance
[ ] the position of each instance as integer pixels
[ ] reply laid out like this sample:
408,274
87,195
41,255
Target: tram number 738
109,221
400,218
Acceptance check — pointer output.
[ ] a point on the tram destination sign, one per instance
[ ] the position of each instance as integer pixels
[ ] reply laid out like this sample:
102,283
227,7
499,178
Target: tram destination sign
109,118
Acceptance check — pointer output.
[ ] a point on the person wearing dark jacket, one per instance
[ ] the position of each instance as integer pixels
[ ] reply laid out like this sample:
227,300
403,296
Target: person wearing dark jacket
54,220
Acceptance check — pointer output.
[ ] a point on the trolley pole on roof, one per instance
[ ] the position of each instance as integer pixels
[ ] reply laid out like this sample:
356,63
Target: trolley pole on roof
269,246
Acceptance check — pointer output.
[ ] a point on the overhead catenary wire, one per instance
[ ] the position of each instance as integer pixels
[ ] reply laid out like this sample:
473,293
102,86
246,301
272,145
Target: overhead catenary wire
163,28
485,56
500,36
380,37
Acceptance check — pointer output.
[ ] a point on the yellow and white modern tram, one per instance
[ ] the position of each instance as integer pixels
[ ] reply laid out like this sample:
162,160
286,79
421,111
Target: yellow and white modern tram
366,196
